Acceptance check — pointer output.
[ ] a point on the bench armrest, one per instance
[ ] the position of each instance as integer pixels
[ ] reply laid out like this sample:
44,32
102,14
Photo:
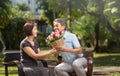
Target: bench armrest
89,56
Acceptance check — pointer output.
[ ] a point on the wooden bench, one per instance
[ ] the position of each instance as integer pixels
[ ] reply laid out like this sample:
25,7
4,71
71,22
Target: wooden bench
12,58
19,66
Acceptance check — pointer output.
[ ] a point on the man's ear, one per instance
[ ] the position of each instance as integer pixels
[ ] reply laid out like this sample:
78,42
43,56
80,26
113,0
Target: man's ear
63,27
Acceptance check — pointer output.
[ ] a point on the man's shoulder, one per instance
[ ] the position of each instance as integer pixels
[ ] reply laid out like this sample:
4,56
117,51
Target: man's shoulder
70,33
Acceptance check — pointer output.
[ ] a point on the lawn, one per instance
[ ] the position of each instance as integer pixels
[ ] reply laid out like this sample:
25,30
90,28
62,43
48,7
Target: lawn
107,59
103,59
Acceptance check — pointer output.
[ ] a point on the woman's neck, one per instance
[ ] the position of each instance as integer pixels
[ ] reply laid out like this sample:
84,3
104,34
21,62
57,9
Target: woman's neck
29,38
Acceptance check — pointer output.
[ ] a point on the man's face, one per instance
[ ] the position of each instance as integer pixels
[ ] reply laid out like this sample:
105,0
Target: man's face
58,27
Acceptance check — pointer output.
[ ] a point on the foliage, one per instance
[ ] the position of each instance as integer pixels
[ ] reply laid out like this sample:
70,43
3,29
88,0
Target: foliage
47,14
60,6
41,40
13,30
112,12
13,33
85,15
18,13
4,13
84,27
110,20
23,7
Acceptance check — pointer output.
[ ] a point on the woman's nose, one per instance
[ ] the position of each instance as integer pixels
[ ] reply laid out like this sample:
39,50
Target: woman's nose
37,31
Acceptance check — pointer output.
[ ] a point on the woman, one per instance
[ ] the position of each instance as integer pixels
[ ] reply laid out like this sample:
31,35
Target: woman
31,52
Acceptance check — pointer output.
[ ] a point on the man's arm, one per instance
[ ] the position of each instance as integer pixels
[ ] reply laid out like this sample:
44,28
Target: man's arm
74,51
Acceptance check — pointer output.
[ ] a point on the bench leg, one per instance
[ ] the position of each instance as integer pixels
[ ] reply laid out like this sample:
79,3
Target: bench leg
89,72
90,67
6,70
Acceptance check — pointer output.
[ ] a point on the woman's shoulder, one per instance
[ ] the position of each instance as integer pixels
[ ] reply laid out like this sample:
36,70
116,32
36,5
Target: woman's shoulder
24,43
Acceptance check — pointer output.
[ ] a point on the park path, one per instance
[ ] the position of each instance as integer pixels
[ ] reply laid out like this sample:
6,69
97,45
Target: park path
106,70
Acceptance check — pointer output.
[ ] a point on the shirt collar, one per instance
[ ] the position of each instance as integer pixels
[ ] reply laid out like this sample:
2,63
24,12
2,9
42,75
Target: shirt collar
65,34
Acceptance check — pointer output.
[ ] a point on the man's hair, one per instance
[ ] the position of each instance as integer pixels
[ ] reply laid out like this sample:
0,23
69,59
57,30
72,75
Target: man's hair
62,21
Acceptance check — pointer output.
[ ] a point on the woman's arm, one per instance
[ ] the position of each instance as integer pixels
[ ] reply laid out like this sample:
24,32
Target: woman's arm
29,51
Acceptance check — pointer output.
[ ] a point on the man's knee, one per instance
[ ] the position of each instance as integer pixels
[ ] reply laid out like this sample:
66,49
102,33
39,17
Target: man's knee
76,65
56,69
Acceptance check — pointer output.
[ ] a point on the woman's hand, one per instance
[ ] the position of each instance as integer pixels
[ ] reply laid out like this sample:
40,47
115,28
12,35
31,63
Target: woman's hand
53,51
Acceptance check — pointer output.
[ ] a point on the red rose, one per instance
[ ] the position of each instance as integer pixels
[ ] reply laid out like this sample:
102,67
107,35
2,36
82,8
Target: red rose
54,35
60,32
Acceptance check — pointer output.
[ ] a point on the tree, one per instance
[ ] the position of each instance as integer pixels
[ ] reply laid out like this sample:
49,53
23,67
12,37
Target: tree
4,18
47,14
23,7
13,30
89,14
4,13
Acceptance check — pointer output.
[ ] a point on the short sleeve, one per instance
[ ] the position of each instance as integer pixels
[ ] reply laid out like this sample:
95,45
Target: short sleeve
25,44
75,41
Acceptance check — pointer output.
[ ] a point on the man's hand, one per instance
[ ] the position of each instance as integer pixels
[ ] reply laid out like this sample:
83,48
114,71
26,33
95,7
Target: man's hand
61,48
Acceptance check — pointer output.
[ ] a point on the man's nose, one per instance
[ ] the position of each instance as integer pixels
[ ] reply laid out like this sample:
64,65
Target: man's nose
54,28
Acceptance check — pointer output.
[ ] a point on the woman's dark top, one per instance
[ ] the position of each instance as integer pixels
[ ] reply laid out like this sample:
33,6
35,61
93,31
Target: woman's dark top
30,65
27,60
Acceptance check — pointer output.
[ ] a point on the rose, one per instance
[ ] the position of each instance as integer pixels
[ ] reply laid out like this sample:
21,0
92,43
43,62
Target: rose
60,32
54,36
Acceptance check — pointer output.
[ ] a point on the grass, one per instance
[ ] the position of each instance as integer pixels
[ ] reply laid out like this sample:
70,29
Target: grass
107,59
103,59
12,71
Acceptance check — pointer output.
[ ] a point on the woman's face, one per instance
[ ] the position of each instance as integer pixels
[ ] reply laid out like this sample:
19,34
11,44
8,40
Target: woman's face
35,31
58,27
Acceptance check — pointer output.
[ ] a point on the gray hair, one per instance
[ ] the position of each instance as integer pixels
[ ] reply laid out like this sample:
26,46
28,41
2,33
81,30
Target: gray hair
62,21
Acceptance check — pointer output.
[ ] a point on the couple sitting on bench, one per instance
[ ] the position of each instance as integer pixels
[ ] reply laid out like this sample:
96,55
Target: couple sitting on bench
71,53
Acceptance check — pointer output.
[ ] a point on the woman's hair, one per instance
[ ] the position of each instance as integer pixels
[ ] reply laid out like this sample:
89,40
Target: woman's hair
27,28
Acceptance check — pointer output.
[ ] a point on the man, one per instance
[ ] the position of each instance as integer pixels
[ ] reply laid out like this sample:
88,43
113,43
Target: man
71,52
